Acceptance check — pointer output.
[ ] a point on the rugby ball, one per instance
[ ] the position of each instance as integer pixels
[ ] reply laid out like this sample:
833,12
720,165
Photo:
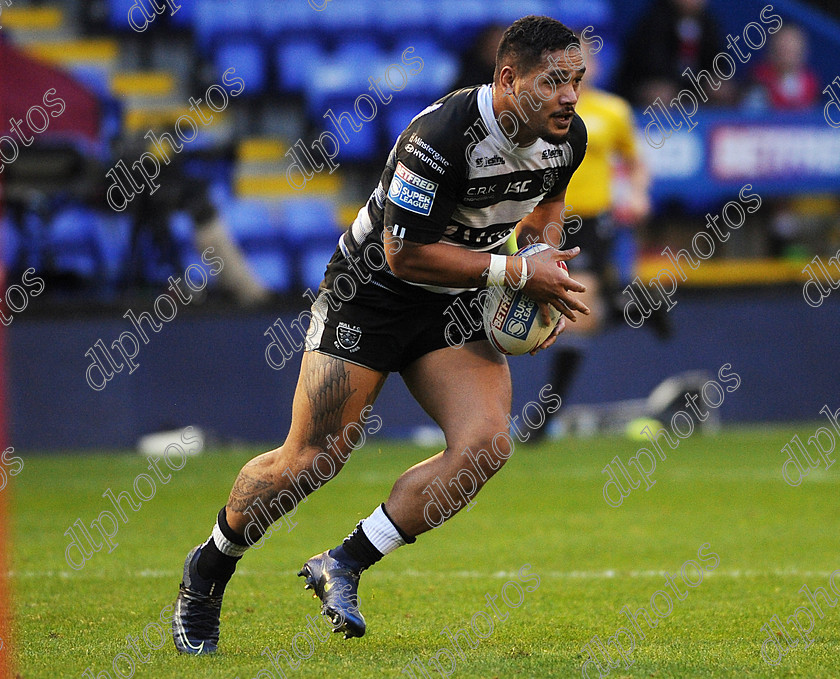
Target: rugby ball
512,319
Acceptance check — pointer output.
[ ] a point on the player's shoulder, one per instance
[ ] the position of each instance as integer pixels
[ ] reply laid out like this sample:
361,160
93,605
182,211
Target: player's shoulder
436,138
456,108
447,120
578,136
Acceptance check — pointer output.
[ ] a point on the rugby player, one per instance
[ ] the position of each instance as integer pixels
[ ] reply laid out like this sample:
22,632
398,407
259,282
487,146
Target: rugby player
465,173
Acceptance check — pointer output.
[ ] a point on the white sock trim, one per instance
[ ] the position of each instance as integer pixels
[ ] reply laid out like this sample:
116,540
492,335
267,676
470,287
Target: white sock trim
381,532
226,546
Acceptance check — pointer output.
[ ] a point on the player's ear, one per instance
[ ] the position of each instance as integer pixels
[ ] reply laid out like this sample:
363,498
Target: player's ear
506,77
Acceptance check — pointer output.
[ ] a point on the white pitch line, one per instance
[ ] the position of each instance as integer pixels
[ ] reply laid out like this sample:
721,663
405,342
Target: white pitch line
609,574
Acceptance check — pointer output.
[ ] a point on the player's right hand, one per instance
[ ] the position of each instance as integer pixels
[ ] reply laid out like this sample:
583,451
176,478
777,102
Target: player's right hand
549,283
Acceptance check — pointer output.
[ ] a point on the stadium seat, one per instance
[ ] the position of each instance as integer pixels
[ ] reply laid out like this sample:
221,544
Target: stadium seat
216,19
184,18
582,13
339,19
10,246
313,264
253,227
399,114
115,240
295,62
248,58
509,11
182,228
458,23
440,68
344,73
363,143
304,220
413,16
118,14
287,20
250,222
94,78
72,244
272,269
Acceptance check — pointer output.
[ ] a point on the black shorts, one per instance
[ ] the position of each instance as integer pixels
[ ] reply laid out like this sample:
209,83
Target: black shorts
595,239
370,325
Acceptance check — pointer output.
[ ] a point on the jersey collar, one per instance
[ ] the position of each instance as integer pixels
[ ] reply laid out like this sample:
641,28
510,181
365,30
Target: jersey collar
485,109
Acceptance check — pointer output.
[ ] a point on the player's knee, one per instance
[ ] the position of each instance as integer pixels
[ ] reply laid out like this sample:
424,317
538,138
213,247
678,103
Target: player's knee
484,450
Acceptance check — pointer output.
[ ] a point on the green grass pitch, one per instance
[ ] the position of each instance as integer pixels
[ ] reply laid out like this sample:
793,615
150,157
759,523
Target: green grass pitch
545,508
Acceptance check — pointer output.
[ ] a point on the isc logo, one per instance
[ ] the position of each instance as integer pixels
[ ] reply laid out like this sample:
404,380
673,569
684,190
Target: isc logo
517,187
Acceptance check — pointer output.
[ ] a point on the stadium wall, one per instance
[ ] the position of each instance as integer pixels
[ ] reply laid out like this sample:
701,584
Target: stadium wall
210,371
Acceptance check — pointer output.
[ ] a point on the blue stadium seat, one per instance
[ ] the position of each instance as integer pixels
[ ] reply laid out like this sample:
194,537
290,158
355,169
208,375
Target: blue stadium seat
248,58
72,243
364,51
339,19
509,11
272,269
182,228
250,223
279,21
184,18
313,264
94,78
363,143
216,19
295,62
115,240
308,220
399,115
344,73
459,22
118,14
10,245
582,13
412,16
440,68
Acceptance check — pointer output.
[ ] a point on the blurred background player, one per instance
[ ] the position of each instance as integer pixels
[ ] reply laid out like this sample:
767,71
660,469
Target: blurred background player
672,36
607,198
784,81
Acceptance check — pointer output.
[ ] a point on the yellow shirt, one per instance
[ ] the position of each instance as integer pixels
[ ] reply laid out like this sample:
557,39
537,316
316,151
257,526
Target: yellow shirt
609,124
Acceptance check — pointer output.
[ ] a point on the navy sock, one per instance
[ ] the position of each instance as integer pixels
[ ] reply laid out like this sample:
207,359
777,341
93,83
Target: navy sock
357,551
213,564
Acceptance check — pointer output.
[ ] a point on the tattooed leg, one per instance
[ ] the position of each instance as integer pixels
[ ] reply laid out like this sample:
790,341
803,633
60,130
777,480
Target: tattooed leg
330,395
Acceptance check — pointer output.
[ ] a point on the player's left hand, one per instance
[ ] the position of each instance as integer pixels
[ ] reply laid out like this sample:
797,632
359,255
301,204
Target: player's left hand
552,338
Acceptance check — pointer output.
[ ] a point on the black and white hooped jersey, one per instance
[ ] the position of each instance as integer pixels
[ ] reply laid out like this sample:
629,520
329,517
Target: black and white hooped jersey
454,177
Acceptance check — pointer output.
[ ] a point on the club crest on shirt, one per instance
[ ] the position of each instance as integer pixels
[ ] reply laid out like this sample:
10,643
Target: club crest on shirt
348,337
549,180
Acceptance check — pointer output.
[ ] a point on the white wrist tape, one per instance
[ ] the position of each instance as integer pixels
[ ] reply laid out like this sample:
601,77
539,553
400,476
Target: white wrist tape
497,270
523,277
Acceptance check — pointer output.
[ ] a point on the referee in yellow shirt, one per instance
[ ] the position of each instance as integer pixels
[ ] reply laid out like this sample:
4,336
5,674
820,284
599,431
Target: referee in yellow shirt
611,186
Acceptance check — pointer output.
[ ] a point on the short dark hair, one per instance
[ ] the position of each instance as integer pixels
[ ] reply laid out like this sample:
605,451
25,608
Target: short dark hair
527,40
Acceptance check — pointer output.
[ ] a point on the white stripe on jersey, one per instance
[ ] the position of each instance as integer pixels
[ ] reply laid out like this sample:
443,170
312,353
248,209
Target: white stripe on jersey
500,213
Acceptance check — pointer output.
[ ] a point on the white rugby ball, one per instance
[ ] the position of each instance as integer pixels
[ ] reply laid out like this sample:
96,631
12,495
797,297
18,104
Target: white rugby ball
512,320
